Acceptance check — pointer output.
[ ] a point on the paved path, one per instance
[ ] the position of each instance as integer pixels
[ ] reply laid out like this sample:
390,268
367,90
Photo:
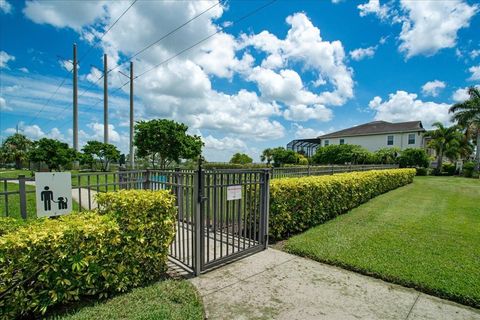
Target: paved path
276,285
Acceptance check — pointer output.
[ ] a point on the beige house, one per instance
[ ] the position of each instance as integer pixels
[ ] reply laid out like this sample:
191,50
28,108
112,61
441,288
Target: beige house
372,136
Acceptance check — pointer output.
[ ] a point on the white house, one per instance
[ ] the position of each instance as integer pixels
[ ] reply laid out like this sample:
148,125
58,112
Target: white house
372,136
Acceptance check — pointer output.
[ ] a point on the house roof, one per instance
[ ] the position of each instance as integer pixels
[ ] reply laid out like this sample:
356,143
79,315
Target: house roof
376,127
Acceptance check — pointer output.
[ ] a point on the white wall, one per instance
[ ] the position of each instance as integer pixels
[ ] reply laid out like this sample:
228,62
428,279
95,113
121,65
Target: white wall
375,142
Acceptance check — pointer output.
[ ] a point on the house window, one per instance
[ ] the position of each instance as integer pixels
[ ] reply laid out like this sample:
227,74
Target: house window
342,141
389,140
326,143
411,138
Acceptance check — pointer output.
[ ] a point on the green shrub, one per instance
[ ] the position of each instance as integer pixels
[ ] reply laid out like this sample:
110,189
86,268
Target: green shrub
468,169
55,261
297,204
413,157
448,169
9,224
342,154
422,172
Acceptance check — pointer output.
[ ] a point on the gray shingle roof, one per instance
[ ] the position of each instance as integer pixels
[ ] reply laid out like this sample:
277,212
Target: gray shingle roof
376,127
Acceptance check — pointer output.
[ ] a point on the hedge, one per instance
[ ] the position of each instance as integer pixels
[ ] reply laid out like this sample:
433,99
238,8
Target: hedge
55,261
297,204
9,224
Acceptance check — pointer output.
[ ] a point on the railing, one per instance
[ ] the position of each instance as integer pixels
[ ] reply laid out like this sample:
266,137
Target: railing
17,195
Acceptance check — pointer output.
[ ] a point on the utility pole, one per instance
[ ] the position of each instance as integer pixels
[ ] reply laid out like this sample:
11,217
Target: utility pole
75,99
105,99
132,153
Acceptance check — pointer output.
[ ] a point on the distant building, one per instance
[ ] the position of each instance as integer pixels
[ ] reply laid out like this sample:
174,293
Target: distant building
372,136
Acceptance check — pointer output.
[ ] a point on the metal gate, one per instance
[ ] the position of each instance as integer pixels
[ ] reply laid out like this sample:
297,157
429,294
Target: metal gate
222,214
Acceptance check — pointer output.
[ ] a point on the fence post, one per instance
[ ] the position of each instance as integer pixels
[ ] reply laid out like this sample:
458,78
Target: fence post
146,183
23,196
266,207
308,169
198,194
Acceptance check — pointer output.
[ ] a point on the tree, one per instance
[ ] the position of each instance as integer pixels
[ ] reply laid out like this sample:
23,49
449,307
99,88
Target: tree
165,141
442,139
267,155
15,149
53,153
341,154
467,114
241,158
413,157
281,156
387,155
104,152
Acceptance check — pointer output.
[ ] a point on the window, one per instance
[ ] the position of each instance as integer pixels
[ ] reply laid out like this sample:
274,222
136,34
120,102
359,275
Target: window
342,141
411,138
389,140
326,143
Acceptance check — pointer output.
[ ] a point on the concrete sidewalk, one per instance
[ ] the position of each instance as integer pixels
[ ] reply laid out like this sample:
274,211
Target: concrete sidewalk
276,285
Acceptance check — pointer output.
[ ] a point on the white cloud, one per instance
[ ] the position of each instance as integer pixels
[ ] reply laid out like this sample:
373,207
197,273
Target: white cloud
404,106
67,65
34,132
433,88
24,70
225,143
4,59
3,105
474,53
460,95
430,26
374,7
362,53
475,71
305,133
73,14
5,6
304,44
302,112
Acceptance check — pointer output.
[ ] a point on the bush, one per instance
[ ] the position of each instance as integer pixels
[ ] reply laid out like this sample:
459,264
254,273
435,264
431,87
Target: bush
297,204
422,172
468,169
56,261
413,157
342,154
448,169
9,224
241,158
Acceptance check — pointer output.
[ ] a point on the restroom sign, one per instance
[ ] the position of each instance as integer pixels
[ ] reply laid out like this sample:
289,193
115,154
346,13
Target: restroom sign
53,193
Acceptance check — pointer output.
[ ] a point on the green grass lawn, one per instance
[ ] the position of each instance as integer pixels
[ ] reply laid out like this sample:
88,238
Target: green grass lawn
425,235
169,299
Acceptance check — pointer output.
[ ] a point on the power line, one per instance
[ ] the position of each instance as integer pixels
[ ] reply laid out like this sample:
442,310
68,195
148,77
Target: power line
152,44
249,14
106,31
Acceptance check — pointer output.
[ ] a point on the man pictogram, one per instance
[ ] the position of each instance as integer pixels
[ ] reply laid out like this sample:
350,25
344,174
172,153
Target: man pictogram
47,197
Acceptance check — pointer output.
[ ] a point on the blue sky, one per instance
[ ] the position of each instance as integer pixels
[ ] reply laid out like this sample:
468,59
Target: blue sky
295,69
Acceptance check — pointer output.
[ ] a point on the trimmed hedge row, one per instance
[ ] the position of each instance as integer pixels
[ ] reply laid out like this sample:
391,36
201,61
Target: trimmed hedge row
54,261
297,204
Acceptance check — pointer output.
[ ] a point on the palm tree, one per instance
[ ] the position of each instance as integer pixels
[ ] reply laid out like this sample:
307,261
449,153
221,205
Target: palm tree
444,140
15,148
467,114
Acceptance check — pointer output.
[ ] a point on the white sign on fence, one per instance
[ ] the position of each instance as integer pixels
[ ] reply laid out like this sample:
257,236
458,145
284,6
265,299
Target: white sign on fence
53,193
234,192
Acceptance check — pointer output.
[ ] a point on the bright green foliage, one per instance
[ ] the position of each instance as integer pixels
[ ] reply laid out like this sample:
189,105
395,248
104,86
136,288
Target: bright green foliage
424,235
55,154
241,158
267,155
56,261
9,224
168,299
413,158
302,160
342,154
104,152
297,204
387,155
281,156
468,169
165,141
447,141
15,149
